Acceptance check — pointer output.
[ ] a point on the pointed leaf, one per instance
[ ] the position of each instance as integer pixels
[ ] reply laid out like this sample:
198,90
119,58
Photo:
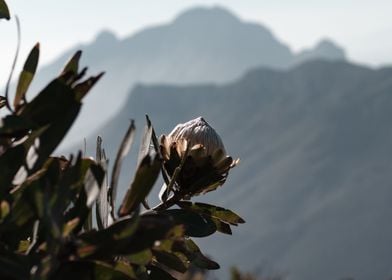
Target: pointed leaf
72,65
4,11
27,75
102,206
196,256
195,225
221,226
220,213
145,177
84,87
170,260
146,141
121,154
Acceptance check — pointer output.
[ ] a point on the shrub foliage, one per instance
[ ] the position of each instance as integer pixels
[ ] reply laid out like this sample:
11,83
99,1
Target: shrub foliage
58,217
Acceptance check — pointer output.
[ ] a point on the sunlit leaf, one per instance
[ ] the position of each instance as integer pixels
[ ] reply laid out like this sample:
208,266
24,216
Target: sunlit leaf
145,177
102,205
121,154
27,75
72,66
2,101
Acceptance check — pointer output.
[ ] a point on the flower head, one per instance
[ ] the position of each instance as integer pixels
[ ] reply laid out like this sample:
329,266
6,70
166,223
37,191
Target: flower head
194,155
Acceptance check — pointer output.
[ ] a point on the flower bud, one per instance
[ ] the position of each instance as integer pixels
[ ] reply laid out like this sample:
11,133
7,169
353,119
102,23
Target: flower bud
197,150
198,132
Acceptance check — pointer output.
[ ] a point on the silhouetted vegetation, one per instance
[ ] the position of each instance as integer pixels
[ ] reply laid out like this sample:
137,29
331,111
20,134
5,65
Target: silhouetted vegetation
58,218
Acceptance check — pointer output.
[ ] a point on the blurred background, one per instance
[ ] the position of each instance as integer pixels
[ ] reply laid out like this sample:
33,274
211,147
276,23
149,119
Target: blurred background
301,91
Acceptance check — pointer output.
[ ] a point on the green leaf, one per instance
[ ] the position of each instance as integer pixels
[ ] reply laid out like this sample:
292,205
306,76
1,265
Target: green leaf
195,225
27,75
220,213
145,177
170,260
121,154
221,226
140,258
4,11
84,87
125,237
192,251
72,66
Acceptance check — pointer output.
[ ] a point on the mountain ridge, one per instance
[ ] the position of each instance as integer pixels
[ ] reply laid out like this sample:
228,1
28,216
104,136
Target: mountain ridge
314,180
200,45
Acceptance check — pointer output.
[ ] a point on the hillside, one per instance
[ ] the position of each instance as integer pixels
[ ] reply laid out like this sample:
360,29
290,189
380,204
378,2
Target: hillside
314,184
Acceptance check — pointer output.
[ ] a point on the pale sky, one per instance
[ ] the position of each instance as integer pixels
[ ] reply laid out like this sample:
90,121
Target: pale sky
362,27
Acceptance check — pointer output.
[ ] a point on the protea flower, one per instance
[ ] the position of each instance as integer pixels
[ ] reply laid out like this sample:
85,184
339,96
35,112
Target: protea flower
195,158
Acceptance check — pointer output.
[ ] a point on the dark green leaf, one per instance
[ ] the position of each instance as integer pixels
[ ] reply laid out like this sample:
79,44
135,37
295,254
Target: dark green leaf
140,258
121,154
157,273
16,126
26,76
84,87
195,224
4,11
72,65
13,266
192,251
220,213
86,270
145,177
126,237
170,260
221,226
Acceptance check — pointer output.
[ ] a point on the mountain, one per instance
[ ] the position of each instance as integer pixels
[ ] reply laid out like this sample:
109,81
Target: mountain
325,49
201,45
314,183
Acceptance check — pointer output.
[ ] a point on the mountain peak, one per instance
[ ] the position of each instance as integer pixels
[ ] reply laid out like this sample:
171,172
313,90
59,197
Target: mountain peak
201,14
105,37
325,49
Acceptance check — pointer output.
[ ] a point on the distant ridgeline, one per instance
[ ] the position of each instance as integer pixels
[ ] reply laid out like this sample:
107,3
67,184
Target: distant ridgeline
314,138
314,183
202,45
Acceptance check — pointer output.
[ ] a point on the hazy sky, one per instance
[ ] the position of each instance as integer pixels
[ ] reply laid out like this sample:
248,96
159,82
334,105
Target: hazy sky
363,27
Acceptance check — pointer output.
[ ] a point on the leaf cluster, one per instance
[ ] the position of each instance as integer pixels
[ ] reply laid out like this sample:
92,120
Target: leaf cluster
58,217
